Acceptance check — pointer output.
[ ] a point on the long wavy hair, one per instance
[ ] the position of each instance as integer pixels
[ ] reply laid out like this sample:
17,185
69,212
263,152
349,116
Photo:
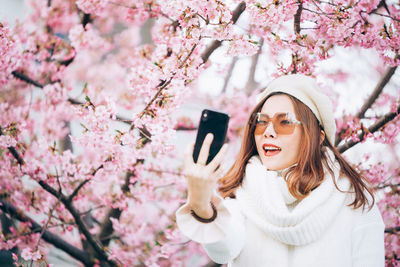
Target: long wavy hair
308,173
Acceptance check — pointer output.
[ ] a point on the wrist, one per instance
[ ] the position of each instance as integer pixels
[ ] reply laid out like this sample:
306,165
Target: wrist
200,204
202,209
208,216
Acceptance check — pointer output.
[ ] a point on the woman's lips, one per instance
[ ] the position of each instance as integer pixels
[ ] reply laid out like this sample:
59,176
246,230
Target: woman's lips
271,150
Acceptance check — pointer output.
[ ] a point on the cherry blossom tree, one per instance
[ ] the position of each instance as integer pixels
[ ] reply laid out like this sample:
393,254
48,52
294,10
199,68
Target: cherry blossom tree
87,108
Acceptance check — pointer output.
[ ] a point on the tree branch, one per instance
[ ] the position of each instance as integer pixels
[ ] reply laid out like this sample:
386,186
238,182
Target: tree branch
392,230
386,185
297,18
86,19
81,225
74,101
210,49
251,82
229,74
162,86
375,94
297,29
13,151
25,78
373,128
107,230
28,80
82,184
377,91
49,237
165,84
76,191
187,56
215,44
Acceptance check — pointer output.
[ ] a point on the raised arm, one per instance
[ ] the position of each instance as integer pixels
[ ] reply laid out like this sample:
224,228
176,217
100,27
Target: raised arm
206,218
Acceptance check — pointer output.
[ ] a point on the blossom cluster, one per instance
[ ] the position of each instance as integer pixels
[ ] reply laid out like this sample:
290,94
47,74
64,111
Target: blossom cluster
10,53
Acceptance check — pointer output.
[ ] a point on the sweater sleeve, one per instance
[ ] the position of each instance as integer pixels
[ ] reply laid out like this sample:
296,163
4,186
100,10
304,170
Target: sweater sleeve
222,239
368,248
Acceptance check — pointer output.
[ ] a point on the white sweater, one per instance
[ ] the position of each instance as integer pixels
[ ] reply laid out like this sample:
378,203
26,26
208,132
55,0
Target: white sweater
266,227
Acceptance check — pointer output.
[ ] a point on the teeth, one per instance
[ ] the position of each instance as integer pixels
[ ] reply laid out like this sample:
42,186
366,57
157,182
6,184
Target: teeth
271,148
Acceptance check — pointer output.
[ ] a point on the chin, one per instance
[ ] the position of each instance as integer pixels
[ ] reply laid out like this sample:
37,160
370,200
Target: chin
275,164
271,165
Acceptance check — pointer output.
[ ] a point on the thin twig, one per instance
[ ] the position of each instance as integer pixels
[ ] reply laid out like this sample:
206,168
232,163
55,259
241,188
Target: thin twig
387,16
163,86
319,13
188,56
92,209
76,191
44,228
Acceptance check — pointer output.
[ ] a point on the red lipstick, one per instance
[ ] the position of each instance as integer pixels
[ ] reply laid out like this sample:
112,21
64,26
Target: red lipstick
271,150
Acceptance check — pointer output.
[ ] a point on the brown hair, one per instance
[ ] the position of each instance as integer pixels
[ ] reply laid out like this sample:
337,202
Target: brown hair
308,173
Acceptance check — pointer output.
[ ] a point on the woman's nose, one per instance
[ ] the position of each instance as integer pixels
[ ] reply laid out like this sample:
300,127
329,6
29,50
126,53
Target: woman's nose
270,131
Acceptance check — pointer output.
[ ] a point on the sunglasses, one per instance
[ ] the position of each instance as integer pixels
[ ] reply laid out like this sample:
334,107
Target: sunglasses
284,123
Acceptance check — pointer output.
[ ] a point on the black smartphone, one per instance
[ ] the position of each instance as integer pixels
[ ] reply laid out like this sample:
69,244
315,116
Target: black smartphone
211,122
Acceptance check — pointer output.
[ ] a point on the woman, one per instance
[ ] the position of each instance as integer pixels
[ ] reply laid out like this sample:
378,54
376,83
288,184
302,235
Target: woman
289,199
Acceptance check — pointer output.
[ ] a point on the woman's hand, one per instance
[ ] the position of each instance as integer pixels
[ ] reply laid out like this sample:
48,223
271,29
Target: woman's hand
202,178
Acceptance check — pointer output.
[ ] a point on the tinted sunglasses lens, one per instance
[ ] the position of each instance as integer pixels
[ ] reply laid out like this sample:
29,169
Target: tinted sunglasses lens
260,129
261,122
283,125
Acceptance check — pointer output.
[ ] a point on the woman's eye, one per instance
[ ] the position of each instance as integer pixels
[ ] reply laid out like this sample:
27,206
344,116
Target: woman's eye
286,122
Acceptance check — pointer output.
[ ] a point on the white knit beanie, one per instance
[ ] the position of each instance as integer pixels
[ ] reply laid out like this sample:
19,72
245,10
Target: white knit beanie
305,89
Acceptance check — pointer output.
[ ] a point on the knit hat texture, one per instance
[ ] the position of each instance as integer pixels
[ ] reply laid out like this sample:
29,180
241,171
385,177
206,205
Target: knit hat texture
305,89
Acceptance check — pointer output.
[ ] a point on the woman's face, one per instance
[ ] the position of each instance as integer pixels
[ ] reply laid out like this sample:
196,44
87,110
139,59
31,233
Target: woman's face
278,150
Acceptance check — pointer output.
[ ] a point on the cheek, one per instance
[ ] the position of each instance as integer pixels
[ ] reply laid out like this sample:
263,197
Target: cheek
296,143
257,139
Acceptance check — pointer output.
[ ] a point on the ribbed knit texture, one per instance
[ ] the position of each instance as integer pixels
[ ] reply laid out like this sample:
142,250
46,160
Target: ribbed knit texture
266,201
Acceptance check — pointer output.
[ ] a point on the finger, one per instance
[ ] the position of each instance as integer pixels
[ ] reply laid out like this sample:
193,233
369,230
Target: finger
188,155
218,174
219,157
205,149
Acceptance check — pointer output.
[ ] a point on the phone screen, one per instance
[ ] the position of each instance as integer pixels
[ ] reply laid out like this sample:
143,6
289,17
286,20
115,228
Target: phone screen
211,122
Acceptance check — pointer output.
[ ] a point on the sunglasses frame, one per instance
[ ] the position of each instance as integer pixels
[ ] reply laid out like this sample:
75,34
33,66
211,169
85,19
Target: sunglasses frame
255,117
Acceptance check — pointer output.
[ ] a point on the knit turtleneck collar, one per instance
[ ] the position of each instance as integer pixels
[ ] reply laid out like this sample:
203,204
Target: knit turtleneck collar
266,200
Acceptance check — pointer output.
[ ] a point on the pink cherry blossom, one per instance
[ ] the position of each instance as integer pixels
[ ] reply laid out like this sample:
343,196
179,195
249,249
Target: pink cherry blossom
94,96
10,53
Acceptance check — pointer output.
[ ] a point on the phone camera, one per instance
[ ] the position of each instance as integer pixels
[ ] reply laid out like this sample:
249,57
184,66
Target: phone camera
205,116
